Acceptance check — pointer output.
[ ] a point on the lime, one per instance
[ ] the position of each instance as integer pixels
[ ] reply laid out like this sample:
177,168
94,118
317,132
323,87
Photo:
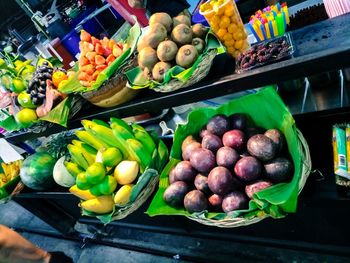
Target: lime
18,63
18,85
95,173
111,157
26,117
81,181
25,101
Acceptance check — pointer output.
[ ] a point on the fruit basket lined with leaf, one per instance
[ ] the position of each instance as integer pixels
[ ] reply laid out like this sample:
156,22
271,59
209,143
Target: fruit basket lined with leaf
9,180
172,54
113,168
235,165
99,77
31,95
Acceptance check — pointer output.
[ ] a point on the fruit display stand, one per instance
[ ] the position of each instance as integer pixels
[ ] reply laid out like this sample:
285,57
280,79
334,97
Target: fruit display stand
320,224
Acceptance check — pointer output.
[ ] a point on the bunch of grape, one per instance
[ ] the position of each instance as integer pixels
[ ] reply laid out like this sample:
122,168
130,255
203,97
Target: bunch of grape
37,85
264,53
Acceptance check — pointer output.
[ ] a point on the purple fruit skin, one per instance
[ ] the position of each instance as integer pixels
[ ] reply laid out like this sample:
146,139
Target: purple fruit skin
238,121
172,176
227,157
202,160
218,125
250,132
220,180
211,142
195,201
204,132
184,172
256,187
248,169
201,183
188,150
175,193
234,139
278,170
234,201
261,147
215,201
277,137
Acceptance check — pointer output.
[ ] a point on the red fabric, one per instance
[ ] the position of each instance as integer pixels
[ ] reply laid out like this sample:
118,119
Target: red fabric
123,8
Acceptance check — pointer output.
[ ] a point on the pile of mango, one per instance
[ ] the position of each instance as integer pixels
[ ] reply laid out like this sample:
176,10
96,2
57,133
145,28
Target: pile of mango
10,171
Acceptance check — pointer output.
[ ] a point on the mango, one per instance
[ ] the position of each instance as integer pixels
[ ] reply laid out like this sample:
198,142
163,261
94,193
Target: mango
126,172
99,205
122,196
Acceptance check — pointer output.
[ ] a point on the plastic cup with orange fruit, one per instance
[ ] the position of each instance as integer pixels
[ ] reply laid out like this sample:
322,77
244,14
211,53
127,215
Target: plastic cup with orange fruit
224,19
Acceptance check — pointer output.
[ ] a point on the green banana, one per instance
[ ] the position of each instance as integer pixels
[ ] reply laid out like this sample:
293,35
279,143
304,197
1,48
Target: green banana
139,153
121,132
121,123
85,147
106,135
80,156
73,168
91,140
144,137
99,122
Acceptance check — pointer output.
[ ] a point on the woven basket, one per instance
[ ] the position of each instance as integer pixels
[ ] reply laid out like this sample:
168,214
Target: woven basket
141,198
198,74
237,222
113,91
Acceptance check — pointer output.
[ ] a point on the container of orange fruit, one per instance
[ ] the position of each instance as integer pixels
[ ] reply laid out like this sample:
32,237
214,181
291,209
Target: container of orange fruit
225,21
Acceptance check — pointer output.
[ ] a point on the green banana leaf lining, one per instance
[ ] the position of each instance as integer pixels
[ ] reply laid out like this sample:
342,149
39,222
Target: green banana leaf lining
268,111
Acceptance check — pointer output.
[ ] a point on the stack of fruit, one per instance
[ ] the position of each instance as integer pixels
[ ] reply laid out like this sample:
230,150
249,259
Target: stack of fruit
168,42
11,171
225,21
106,161
95,56
230,164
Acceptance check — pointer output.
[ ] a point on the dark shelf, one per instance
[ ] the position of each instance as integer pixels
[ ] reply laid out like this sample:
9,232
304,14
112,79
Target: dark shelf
319,47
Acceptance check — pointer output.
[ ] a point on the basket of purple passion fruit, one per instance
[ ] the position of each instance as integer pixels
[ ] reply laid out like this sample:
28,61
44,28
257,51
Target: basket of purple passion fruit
236,164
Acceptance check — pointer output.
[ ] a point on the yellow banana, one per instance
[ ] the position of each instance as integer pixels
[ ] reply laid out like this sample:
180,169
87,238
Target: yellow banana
73,168
80,157
106,135
139,153
121,132
144,137
91,140
121,123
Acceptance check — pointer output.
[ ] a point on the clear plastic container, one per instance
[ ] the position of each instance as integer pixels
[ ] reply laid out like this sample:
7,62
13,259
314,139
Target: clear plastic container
286,52
224,19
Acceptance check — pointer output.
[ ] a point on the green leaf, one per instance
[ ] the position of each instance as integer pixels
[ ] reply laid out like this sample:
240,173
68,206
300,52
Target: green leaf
60,113
268,111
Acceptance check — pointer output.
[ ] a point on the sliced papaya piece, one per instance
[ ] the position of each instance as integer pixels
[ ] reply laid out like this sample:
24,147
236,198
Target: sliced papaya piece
95,75
95,41
85,83
107,51
83,61
105,42
110,58
85,36
99,49
89,69
117,51
99,60
111,43
87,47
101,67
91,56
